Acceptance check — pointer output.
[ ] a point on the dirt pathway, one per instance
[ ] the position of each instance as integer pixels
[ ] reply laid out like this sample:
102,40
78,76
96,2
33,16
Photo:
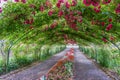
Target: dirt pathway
84,69
36,71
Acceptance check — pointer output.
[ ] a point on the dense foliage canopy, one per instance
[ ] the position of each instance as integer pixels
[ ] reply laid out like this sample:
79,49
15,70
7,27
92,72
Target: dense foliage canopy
61,21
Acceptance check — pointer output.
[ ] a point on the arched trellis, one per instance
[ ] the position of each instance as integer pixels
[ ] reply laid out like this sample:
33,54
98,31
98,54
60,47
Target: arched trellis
86,17
49,20
88,21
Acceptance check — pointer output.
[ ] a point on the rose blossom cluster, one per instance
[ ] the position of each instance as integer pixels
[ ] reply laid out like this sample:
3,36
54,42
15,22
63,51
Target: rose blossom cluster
70,55
72,18
66,3
91,2
117,10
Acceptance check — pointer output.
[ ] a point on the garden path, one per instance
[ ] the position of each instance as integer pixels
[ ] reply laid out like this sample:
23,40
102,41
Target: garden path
85,69
35,71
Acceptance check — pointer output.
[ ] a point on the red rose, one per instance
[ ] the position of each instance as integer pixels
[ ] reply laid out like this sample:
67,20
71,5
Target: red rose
16,0
109,27
60,13
50,13
103,23
117,10
96,10
58,4
74,3
95,2
110,19
67,5
87,2
23,1
41,8
104,39
106,1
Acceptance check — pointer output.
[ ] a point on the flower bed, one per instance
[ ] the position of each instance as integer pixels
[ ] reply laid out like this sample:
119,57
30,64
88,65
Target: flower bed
63,69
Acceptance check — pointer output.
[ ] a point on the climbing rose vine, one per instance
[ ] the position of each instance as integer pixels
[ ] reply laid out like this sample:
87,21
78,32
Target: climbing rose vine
74,19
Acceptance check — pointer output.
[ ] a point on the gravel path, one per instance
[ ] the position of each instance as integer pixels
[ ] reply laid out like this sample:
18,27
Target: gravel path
36,71
84,69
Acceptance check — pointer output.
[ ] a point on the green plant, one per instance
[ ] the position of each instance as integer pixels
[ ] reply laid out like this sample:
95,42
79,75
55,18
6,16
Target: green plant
13,65
2,67
22,60
104,57
69,67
